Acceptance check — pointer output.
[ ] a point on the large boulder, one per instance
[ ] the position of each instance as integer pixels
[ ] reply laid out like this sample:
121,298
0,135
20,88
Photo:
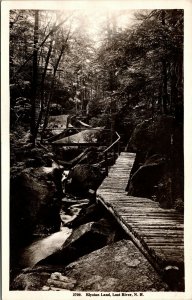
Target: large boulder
32,281
143,180
23,151
70,211
82,178
84,239
117,267
90,213
35,200
153,136
158,169
163,192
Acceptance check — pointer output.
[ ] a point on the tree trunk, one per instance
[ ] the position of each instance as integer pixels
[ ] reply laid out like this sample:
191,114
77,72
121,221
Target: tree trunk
174,90
42,88
52,89
165,94
53,82
164,72
178,105
51,32
34,78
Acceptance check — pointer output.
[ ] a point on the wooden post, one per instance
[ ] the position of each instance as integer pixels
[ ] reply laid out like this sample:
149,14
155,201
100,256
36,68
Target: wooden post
106,164
118,148
114,154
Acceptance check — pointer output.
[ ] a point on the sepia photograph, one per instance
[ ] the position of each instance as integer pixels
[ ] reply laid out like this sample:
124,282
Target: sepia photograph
96,149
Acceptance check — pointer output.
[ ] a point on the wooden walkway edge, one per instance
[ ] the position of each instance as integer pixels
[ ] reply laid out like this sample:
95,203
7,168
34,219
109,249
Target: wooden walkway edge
157,232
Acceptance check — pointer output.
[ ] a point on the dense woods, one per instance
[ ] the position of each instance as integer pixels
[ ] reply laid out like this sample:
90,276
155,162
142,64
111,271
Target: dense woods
55,60
116,72
119,71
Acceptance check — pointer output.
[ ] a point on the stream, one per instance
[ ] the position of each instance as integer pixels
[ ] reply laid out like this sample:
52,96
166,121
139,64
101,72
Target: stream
44,247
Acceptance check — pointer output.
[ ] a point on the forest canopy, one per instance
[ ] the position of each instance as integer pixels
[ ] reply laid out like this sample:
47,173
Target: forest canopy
96,65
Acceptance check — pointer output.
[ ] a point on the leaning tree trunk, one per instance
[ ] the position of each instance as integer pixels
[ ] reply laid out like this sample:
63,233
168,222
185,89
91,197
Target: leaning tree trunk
34,78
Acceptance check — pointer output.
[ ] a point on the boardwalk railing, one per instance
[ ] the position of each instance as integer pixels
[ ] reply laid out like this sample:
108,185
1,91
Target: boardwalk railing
109,153
113,147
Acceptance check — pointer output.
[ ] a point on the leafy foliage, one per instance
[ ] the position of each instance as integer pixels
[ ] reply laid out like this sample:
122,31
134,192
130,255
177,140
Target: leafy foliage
136,56
132,65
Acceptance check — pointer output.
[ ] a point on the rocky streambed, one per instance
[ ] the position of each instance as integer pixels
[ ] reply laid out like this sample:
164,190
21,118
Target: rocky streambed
51,228
89,253
65,240
85,227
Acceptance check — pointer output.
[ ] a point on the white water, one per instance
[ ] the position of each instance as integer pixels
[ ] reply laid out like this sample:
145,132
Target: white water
41,249
45,247
73,212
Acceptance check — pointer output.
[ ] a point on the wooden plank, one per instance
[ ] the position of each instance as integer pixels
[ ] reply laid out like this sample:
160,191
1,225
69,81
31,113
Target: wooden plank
152,219
161,234
110,188
108,195
152,222
151,227
164,237
149,217
158,232
166,233
113,184
146,209
170,253
131,204
135,227
132,199
165,247
143,212
164,240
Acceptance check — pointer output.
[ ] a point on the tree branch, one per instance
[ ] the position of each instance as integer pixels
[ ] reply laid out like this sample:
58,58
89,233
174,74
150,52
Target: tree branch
55,28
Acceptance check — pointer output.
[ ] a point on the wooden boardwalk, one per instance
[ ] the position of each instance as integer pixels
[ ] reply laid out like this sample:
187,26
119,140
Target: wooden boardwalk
156,231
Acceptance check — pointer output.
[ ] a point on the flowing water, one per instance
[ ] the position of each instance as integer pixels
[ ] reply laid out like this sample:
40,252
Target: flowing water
44,247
